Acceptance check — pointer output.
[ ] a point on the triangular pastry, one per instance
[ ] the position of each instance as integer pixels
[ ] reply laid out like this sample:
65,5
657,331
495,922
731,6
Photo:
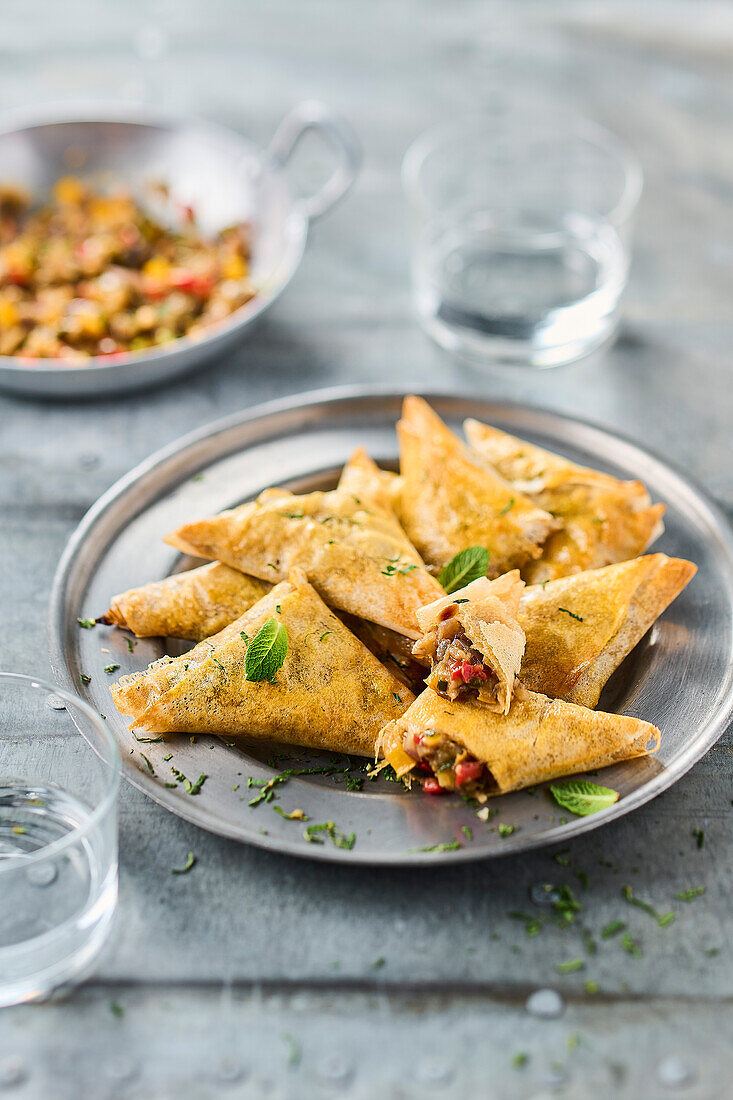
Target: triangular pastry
330,692
466,746
603,520
451,499
356,555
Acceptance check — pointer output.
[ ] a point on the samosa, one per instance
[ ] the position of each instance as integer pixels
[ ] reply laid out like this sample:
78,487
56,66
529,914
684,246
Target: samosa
468,747
355,555
287,669
194,604
452,499
601,519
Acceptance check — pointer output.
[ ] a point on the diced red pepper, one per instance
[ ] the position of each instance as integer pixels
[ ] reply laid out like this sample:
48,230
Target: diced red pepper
432,786
182,279
468,770
466,671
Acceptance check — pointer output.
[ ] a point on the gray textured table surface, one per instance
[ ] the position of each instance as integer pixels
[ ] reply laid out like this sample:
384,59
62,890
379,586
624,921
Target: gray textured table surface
256,975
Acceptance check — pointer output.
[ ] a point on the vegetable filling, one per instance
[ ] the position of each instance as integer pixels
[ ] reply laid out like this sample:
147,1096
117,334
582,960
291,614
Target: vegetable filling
457,667
447,765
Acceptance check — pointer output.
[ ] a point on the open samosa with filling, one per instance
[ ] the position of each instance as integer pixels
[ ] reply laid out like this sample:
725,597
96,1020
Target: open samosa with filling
466,746
452,500
364,479
474,642
353,551
192,605
580,628
602,519
307,680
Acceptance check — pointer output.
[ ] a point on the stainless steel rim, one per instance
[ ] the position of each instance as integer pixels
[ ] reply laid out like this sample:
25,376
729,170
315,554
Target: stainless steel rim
187,447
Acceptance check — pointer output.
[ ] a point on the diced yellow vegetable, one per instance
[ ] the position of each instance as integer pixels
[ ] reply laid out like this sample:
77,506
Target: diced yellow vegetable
69,191
401,761
234,267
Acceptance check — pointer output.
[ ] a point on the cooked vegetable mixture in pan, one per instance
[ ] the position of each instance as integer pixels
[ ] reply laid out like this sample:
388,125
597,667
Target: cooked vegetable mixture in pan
92,273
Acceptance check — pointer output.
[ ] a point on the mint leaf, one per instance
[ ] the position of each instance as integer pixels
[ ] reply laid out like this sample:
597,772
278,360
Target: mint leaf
266,652
582,797
468,565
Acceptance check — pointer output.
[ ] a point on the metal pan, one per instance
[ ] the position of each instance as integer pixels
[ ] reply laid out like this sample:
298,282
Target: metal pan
221,174
680,676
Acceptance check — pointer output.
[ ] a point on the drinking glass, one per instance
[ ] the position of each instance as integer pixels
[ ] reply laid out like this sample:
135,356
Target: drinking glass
58,836
521,235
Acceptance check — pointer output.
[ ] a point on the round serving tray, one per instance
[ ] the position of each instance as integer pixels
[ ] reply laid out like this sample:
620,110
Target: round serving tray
680,676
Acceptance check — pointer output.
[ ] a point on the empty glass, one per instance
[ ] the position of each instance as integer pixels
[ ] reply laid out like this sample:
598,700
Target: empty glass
58,836
521,236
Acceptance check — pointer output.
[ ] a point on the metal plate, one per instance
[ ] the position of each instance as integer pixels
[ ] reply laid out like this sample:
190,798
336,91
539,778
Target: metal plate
680,676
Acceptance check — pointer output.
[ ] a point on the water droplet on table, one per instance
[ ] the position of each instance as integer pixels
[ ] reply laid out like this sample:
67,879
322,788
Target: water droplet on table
335,1070
230,1070
674,1072
545,1003
121,1069
55,702
543,893
433,1071
12,1073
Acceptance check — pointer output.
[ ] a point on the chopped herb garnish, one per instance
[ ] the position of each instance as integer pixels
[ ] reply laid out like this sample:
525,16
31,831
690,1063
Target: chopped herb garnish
591,986
397,698
340,840
520,1059
662,919
266,653
612,929
87,623
169,756
569,966
467,565
293,1048
130,644
195,788
565,905
111,668
467,832
379,963
147,740
582,797
699,836
394,569
294,815
446,846
689,895
278,608
190,860
571,614
572,1042
84,678
506,507
267,786
292,515
326,634
116,1009
151,769
506,830
631,946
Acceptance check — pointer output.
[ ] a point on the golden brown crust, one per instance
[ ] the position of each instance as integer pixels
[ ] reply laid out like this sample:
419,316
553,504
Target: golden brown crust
330,693
539,739
191,605
356,555
363,478
603,520
579,628
452,500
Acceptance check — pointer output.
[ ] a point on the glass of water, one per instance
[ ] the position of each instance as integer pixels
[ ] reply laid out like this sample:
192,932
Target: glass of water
58,837
521,236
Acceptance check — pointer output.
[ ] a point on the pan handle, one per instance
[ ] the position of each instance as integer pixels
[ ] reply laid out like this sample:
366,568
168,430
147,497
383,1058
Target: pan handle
316,116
